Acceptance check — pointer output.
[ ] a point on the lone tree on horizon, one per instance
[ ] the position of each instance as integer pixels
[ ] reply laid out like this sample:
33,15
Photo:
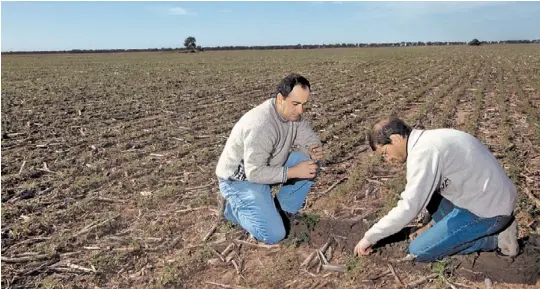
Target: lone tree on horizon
475,42
190,43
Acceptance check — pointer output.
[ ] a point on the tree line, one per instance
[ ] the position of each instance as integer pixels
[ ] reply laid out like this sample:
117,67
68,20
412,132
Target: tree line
190,46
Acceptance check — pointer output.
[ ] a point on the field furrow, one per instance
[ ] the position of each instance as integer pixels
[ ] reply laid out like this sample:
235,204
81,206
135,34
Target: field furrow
108,160
522,155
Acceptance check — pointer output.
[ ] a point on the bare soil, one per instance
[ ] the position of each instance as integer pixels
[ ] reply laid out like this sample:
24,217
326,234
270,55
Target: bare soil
108,164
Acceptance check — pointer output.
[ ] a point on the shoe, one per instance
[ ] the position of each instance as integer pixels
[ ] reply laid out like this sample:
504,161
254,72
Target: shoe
221,206
508,240
294,218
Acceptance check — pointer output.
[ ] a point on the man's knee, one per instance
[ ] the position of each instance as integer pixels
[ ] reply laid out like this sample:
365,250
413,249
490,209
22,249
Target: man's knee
414,248
272,235
421,253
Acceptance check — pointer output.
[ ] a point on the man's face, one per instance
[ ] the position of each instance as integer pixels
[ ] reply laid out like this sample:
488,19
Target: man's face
292,107
395,152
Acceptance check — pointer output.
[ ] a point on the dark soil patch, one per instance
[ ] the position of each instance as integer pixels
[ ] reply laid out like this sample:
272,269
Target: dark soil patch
524,269
346,231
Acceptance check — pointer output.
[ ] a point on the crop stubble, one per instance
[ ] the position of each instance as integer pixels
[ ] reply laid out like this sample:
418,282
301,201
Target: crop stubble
108,160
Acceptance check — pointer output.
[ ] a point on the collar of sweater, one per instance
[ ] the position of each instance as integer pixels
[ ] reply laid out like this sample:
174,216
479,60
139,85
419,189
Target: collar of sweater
277,112
413,139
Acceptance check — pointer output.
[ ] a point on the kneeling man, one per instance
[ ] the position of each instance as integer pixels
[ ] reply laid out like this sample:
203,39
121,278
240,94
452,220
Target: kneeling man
462,185
259,153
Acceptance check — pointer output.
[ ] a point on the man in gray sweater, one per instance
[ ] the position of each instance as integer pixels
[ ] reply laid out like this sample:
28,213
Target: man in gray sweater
462,185
258,154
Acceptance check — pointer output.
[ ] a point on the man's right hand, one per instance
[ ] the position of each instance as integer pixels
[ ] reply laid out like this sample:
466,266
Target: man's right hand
363,247
303,170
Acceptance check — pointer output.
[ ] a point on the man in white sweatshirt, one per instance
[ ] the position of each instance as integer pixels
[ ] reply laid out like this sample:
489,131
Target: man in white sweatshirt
463,186
259,153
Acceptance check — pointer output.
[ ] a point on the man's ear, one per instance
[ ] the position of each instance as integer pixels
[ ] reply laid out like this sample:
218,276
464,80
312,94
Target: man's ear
396,138
280,97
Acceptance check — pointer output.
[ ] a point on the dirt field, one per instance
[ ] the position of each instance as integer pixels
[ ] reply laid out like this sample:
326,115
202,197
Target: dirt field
108,164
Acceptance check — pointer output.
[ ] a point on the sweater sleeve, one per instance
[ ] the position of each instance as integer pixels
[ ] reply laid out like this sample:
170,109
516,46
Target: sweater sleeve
258,146
305,136
423,176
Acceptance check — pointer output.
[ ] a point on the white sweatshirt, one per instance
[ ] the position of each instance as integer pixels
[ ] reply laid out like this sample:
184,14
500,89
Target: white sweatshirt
463,170
260,143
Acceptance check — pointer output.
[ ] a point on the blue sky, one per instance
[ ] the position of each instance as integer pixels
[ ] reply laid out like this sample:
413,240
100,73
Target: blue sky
108,25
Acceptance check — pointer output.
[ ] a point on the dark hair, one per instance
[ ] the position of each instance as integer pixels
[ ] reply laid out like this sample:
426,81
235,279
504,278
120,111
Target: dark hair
287,84
381,132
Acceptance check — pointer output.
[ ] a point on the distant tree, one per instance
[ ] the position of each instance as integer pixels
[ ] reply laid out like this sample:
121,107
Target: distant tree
475,42
190,43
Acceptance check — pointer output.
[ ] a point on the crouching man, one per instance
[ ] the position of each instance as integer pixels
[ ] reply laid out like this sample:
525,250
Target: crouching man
462,185
258,154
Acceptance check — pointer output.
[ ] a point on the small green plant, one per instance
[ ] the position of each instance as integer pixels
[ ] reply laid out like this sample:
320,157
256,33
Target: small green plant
106,262
353,263
440,268
50,283
204,200
169,275
311,220
355,267
20,230
4,213
227,226
174,272
297,240
304,237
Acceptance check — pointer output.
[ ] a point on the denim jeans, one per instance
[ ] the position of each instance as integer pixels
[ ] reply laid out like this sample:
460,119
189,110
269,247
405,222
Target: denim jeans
252,205
456,231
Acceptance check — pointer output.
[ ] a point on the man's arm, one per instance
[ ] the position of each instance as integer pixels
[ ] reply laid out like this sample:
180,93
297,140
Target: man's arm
258,147
423,175
305,136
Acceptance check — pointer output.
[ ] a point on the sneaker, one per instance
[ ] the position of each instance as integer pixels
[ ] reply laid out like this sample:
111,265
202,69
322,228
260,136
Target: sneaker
507,240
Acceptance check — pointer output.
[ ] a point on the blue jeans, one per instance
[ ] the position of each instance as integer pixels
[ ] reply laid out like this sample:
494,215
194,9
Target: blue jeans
252,205
456,231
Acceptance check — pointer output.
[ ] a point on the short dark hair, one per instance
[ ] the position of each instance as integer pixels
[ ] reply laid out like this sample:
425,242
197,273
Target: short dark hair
287,84
381,132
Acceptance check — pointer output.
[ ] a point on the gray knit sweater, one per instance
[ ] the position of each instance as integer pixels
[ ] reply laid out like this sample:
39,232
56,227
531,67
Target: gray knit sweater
260,143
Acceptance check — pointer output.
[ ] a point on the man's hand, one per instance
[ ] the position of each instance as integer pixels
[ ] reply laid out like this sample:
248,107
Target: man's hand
303,170
315,152
363,248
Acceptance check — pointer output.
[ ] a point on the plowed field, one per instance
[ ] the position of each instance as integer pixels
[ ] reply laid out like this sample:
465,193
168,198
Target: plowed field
108,164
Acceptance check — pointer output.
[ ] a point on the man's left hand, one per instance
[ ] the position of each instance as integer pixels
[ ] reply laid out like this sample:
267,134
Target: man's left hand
315,152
